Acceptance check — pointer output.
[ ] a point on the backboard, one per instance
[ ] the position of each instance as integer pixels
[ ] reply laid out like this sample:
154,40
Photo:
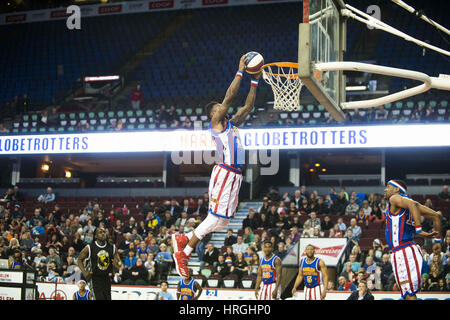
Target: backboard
322,39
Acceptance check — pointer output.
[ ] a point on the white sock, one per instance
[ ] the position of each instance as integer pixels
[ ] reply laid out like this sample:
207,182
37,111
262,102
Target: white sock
188,250
189,235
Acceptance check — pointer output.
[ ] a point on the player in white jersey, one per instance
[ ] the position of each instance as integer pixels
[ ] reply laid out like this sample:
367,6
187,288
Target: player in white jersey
226,176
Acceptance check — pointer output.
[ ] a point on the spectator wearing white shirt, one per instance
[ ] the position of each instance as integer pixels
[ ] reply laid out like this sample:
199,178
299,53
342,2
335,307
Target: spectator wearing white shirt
366,208
239,246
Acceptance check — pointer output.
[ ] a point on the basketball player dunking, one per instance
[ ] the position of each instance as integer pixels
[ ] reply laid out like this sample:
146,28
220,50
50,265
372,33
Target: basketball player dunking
313,272
100,256
402,222
269,272
226,177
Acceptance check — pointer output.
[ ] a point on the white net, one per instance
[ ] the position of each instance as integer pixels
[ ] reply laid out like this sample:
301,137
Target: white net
286,85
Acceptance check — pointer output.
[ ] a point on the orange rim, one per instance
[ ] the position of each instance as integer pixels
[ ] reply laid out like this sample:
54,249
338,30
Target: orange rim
284,65
317,74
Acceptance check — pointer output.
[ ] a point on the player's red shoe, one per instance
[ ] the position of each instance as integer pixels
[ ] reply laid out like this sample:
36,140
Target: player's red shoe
181,263
179,241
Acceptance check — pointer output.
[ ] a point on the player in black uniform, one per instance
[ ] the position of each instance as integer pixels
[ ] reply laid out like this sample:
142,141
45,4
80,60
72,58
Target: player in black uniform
100,256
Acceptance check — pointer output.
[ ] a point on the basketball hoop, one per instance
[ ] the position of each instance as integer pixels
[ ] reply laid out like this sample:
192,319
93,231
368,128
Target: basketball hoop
286,84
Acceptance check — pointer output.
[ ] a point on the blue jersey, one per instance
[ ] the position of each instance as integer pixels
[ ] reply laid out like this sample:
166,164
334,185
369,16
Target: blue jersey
399,227
229,146
311,272
187,290
83,297
268,271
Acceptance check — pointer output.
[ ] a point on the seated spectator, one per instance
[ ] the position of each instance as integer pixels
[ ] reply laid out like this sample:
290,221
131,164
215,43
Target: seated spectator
341,224
130,261
189,226
308,232
54,273
345,285
352,208
142,251
381,114
71,271
362,219
251,220
48,197
230,238
265,223
182,221
41,270
239,266
273,194
366,208
356,230
386,270
150,265
295,234
136,97
435,275
211,256
326,224
239,246
137,275
337,232
370,266
313,220
355,265
281,250
153,246
248,236
317,233
38,229
444,194
304,207
222,267
229,255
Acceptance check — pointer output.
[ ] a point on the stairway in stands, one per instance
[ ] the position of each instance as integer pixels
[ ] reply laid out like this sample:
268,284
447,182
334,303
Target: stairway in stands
218,238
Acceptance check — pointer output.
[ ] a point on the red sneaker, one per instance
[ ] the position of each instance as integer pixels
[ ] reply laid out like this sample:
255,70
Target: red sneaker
181,263
179,242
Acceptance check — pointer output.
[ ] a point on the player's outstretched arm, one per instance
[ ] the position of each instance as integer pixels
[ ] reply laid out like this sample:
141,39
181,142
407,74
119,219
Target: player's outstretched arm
278,268
240,116
414,208
323,269
230,94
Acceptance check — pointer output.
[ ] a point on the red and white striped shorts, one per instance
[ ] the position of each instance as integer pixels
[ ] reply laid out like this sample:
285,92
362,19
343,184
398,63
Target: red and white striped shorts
407,264
224,188
313,293
265,292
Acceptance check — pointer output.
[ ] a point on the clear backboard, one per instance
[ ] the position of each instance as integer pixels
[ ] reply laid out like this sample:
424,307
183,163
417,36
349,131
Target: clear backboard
322,39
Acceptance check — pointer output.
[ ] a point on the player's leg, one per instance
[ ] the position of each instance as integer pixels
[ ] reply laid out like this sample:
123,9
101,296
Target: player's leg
415,261
400,274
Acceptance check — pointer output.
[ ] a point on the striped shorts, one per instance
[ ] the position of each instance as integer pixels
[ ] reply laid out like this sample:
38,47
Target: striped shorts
266,290
313,293
407,264
224,188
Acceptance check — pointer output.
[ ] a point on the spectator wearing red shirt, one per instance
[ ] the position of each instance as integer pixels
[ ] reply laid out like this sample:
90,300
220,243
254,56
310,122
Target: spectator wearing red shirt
345,285
136,97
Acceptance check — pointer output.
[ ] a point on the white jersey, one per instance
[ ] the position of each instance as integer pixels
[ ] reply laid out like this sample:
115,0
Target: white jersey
229,146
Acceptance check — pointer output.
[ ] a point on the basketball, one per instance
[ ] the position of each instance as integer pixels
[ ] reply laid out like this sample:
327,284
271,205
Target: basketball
255,62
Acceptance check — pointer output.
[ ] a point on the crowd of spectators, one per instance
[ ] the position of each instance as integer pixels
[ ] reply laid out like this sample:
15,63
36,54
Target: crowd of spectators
50,240
278,220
